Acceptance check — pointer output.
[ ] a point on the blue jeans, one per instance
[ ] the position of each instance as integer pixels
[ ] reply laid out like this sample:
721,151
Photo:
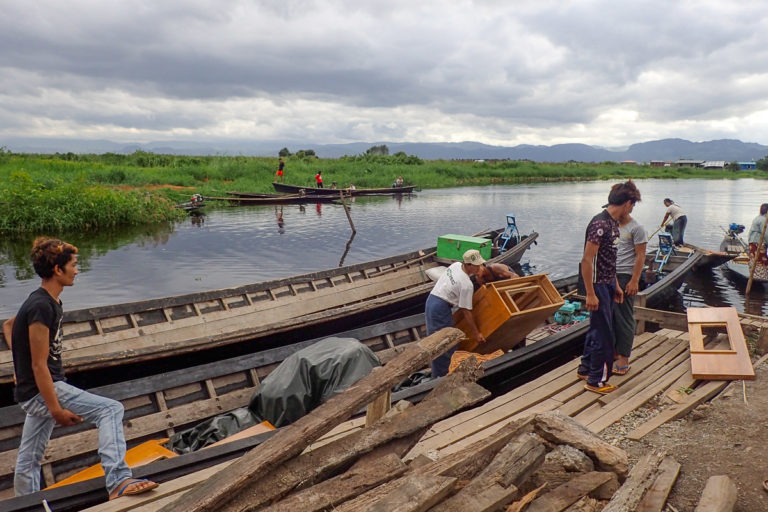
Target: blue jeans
105,413
438,315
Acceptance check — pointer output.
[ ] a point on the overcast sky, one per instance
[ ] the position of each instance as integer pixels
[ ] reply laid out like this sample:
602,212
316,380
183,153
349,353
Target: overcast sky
607,73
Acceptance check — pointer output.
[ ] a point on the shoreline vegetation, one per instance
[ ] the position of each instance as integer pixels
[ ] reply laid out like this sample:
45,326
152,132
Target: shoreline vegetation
54,193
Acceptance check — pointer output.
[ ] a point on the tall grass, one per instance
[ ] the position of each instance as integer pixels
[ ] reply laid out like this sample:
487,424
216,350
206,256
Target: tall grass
91,192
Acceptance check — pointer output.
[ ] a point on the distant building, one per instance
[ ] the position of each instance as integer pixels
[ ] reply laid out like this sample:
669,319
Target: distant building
661,163
628,162
687,162
747,166
714,164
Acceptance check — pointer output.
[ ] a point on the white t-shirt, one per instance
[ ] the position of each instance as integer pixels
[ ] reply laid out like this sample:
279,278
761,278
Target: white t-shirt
455,287
630,235
674,211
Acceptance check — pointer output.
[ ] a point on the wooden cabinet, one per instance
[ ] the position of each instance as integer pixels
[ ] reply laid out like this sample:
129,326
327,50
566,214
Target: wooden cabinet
506,311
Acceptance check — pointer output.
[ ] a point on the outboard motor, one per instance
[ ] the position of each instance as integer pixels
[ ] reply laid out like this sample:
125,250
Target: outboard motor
732,242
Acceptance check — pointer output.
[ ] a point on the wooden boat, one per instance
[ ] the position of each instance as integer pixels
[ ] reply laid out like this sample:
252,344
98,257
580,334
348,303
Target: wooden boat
666,284
278,199
294,189
711,259
190,206
107,336
159,405
740,267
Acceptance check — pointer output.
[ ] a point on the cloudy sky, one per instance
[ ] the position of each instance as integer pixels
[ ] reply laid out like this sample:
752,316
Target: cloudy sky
607,73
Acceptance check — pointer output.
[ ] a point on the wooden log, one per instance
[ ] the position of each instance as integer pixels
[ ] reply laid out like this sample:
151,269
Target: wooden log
319,463
561,429
416,493
656,497
498,483
762,341
640,479
333,491
570,492
378,408
290,441
521,505
719,495
665,319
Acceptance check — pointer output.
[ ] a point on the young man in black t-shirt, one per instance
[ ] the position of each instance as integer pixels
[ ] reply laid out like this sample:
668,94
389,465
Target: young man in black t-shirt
598,271
34,335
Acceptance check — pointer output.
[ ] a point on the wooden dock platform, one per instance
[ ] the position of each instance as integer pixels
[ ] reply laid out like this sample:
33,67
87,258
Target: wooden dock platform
660,363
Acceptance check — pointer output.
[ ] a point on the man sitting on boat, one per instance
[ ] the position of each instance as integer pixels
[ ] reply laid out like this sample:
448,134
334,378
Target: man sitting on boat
755,238
453,290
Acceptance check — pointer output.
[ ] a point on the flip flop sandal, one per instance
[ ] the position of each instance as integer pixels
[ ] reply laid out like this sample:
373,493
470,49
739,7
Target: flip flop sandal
124,491
582,376
765,485
603,390
621,370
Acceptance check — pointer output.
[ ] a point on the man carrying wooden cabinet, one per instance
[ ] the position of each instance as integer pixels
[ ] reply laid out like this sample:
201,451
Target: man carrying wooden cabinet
34,336
600,285
453,290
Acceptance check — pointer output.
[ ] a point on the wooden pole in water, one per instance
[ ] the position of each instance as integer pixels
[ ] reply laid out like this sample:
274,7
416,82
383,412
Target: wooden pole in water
346,210
669,219
757,256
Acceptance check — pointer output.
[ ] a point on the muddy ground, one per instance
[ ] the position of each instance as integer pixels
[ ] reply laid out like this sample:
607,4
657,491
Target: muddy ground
725,436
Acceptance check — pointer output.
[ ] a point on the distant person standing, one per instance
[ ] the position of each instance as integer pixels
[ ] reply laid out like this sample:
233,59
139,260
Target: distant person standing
453,291
280,167
630,258
319,179
679,220
755,232
599,284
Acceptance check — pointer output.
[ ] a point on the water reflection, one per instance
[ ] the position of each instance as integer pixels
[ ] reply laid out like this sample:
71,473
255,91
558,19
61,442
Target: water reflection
239,245
346,249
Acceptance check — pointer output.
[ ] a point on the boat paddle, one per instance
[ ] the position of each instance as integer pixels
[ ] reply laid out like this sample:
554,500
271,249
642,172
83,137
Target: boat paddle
757,256
652,234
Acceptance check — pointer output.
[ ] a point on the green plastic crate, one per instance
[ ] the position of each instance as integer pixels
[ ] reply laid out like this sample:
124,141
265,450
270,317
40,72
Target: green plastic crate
453,247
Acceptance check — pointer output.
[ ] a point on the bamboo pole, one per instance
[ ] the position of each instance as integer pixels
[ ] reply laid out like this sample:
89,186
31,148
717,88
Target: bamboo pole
757,256
346,210
659,228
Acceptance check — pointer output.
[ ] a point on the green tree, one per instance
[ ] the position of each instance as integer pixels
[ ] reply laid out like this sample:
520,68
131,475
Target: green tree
284,153
378,150
733,166
762,164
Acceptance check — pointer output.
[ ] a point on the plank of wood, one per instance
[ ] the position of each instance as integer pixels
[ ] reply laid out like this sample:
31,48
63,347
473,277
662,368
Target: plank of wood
708,364
498,483
349,484
719,495
292,440
321,462
570,492
640,479
416,493
700,394
656,497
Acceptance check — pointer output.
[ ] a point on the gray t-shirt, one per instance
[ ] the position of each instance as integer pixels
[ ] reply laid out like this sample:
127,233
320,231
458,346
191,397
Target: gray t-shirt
630,235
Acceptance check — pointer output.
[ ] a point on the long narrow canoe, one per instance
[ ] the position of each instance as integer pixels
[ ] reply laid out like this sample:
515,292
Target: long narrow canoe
159,405
279,199
294,189
107,336
741,269
674,272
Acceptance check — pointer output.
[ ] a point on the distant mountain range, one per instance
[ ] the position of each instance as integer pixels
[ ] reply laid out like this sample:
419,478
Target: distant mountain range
666,149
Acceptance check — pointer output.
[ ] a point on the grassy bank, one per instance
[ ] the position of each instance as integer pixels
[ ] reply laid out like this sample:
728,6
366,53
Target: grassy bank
53,193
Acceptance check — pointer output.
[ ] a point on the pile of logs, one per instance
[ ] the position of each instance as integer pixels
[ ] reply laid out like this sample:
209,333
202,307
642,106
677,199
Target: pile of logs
544,463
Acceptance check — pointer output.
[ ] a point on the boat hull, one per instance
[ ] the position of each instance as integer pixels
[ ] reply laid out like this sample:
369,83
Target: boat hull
294,189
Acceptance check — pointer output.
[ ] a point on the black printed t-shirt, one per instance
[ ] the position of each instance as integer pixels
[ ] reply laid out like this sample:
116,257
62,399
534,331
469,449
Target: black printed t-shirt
603,230
39,307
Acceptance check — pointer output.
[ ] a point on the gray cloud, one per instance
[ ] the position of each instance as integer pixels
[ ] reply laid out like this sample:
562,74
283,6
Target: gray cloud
544,72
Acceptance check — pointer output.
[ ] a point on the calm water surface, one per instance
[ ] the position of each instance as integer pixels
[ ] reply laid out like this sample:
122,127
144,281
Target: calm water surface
231,246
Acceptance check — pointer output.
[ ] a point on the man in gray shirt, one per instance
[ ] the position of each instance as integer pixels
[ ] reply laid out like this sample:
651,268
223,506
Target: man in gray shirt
630,258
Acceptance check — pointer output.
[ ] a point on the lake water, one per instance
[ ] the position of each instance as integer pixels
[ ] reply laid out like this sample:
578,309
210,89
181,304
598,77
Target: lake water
231,246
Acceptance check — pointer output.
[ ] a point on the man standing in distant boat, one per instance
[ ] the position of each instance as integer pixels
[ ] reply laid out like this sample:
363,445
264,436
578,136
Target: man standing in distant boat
319,179
679,220
34,336
280,167
453,291
630,258
599,284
